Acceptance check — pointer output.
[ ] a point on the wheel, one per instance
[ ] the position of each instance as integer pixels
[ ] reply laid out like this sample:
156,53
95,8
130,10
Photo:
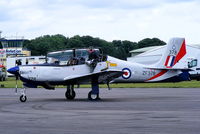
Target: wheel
70,95
93,96
22,98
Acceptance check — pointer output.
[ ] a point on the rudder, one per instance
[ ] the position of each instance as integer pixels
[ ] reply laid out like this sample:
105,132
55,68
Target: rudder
174,52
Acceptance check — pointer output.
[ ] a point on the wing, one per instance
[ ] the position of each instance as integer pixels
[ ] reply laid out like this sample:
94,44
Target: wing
103,77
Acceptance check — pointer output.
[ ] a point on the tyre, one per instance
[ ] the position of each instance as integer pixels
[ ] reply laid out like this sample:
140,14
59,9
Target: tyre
22,98
93,96
70,95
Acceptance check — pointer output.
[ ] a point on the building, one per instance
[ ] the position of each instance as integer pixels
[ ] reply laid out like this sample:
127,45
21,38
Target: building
142,55
12,48
141,50
12,52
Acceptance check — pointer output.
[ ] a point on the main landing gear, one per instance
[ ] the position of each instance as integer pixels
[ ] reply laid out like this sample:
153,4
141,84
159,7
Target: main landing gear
94,93
70,94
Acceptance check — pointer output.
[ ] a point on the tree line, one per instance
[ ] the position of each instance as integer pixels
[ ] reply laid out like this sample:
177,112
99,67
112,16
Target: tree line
117,48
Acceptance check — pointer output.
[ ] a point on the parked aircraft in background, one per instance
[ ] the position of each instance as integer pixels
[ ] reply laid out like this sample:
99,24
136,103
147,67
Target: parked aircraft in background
152,56
107,69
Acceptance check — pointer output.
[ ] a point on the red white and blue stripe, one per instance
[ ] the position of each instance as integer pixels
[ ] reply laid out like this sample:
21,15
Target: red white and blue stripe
173,59
170,61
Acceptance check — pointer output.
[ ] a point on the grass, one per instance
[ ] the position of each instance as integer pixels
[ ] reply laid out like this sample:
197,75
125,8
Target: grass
10,83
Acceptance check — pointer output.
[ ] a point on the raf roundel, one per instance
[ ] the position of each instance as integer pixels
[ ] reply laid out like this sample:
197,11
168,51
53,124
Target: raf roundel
127,73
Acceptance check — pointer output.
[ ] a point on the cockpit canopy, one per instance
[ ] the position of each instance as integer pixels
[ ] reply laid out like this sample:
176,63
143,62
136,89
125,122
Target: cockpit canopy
63,57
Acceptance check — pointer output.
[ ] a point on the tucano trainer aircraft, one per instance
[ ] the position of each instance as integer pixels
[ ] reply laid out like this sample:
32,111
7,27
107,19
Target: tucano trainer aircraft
103,69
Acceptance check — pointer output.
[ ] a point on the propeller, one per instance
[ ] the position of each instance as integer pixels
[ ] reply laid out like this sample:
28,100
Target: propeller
17,64
15,71
16,83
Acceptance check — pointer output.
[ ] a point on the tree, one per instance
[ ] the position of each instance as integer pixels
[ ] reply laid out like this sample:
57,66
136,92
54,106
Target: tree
117,48
128,46
75,42
122,48
44,44
150,42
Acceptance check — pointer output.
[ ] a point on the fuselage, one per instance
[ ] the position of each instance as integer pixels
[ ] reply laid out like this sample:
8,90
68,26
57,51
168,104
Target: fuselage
133,72
137,73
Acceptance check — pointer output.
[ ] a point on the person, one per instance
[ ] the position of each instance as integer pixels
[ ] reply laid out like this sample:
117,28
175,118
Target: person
93,57
72,61
81,61
18,62
92,54
26,61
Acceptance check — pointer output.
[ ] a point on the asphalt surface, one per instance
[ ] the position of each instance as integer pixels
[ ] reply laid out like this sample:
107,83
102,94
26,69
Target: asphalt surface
121,111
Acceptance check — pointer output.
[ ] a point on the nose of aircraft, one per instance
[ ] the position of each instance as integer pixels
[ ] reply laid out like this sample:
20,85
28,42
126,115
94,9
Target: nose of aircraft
13,70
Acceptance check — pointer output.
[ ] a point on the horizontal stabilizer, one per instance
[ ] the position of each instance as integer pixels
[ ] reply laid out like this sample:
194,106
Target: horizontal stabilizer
183,69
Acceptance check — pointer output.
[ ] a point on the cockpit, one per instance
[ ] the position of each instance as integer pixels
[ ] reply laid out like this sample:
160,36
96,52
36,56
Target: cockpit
74,56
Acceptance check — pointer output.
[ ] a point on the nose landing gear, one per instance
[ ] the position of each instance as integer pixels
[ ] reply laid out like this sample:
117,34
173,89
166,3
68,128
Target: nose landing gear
23,97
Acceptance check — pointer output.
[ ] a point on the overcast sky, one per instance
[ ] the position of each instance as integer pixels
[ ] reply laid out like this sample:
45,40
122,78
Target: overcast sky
131,20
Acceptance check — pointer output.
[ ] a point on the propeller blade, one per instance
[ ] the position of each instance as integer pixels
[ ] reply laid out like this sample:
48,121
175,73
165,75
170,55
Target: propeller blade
15,71
16,83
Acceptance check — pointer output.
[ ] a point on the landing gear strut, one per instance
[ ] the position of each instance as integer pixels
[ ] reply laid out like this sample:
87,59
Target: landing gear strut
23,97
70,93
94,93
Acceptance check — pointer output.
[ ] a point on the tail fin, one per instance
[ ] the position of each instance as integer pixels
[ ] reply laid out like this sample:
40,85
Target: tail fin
174,52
